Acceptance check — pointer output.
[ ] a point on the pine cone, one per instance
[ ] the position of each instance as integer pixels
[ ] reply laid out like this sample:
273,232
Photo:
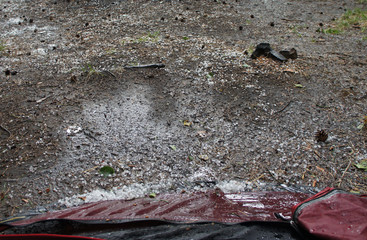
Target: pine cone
321,136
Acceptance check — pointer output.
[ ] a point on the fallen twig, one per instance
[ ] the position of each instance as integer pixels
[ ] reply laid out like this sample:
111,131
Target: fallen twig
42,99
90,169
105,72
341,178
281,110
159,65
317,154
6,130
8,180
273,176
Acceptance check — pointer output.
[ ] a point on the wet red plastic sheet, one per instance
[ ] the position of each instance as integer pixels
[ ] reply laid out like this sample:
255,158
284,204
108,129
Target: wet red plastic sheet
333,214
44,236
203,206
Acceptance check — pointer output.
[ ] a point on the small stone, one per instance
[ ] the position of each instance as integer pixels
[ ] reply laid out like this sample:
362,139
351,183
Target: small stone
261,49
291,54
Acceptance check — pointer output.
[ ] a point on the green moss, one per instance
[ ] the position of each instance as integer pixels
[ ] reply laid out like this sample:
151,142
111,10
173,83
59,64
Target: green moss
149,37
332,31
356,18
89,69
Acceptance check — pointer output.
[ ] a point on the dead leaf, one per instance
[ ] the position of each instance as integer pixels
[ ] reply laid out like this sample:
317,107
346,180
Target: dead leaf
362,164
187,123
173,147
314,183
289,70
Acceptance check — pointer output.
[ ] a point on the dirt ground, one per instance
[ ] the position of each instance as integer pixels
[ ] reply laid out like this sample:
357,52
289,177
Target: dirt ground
211,116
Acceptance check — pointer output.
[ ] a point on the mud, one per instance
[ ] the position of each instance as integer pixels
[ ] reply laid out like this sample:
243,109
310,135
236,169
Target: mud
211,115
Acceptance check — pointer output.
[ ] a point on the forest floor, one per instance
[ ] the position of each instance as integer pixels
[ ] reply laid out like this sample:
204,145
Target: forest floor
211,117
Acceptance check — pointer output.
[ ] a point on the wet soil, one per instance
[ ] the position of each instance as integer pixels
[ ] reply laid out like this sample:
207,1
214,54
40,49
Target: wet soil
211,115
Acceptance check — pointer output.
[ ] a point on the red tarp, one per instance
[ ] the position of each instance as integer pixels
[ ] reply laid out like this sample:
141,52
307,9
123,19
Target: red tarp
208,206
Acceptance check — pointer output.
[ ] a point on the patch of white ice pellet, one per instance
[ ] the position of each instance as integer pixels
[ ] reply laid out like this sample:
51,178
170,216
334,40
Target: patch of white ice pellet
117,193
233,186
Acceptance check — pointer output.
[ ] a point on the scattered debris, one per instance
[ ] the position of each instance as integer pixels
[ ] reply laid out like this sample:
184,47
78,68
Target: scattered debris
264,49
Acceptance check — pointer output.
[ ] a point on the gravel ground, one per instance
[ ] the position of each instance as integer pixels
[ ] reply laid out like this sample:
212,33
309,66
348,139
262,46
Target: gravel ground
211,117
